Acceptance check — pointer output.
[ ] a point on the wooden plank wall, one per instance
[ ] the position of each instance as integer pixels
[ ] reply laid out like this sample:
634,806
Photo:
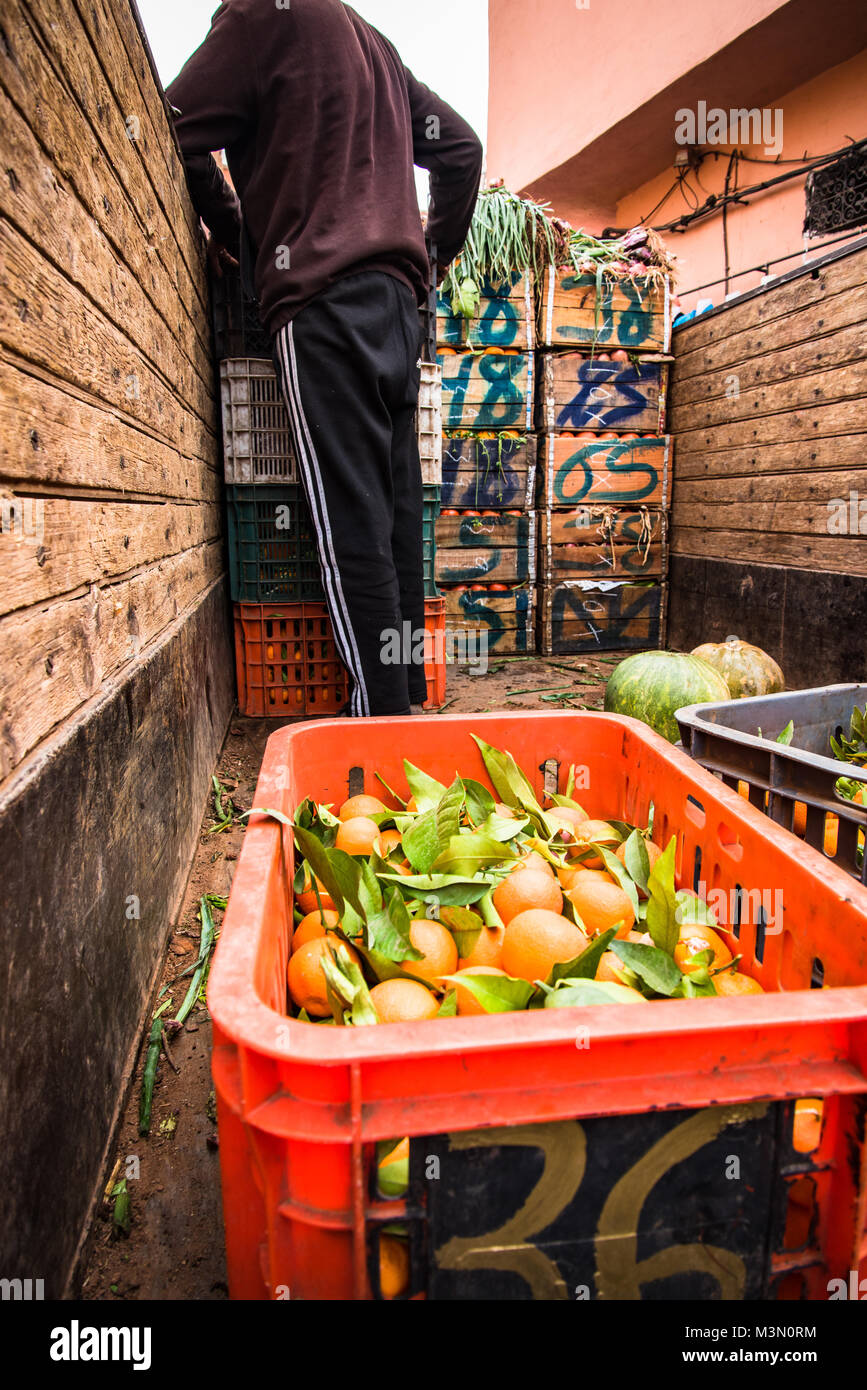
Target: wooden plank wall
769,416
113,609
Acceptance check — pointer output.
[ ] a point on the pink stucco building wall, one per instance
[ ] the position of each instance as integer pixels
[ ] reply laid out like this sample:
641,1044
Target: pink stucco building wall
584,101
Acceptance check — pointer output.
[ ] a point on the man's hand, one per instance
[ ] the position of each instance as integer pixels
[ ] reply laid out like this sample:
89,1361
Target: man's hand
219,259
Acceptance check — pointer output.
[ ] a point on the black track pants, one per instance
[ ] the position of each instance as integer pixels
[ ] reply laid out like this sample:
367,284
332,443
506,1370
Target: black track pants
348,364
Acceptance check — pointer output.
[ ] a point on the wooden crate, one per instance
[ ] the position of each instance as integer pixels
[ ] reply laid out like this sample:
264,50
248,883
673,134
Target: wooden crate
625,314
497,532
488,473
601,542
497,549
599,615
506,317
578,392
606,472
504,622
487,391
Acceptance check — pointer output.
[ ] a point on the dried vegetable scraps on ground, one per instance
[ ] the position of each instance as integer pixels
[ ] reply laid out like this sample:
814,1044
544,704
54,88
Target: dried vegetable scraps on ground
454,901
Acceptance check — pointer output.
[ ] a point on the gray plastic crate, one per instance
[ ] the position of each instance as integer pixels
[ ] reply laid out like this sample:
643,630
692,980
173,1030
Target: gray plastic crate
430,424
257,442
723,737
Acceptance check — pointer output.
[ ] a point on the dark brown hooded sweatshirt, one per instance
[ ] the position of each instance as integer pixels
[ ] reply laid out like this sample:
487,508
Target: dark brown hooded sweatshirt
321,124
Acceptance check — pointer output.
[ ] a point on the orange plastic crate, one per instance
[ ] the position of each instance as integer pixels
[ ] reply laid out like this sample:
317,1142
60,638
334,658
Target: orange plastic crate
300,1106
286,659
435,655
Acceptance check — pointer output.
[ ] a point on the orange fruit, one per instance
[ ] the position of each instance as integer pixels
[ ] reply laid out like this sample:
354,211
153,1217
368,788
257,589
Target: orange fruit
807,1127
403,1001
568,875
488,949
600,903
358,835
610,963
528,889
588,831
570,814
653,852
313,925
306,899
799,819
695,937
832,824
398,1154
393,1266
538,939
306,976
467,1002
411,804
388,840
608,967
439,951
362,806
732,982
534,860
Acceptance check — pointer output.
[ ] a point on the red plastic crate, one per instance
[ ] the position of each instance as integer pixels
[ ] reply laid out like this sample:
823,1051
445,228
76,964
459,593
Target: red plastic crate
286,660
300,1106
435,654
287,663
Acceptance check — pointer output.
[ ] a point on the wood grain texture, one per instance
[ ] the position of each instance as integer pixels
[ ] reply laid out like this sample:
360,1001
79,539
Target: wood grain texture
503,622
840,555
83,543
617,472
818,320
818,286
580,393
474,532
828,452
587,617
47,321
72,110
841,349
487,391
768,404
50,215
595,526
57,655
53,436
114,634
810,620
489,473
102,827
628,316
822,421
486,565
505,317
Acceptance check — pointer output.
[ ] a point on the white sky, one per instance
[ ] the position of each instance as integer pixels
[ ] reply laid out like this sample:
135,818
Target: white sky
443,42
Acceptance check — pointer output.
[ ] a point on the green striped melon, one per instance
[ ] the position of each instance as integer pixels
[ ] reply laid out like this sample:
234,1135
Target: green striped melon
650,686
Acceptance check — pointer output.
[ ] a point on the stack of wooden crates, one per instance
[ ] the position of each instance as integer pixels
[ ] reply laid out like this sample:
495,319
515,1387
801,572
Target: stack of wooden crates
556,541
486,534
604,462
287,661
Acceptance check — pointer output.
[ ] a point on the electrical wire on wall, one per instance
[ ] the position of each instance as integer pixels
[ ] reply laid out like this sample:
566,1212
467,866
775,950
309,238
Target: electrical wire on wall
731,177
717,202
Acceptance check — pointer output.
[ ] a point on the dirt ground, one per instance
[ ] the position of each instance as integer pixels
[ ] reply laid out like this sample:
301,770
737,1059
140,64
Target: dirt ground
174,1249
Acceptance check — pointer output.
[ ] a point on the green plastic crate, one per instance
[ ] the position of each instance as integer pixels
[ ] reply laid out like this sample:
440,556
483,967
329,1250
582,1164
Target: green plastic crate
272,550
